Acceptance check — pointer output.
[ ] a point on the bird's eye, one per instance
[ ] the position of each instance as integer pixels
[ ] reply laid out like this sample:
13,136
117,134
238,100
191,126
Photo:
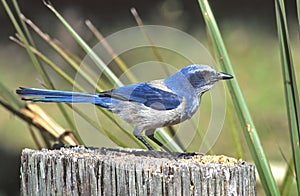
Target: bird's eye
204,74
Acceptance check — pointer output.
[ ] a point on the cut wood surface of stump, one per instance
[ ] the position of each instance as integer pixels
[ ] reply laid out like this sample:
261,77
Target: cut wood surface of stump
121,171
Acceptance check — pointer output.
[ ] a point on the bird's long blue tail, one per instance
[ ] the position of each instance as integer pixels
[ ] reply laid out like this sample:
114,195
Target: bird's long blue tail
44,95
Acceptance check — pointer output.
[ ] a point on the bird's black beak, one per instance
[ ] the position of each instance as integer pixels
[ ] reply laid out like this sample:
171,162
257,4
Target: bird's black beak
224,76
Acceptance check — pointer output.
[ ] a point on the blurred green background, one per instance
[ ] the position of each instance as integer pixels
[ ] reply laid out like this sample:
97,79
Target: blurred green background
248,29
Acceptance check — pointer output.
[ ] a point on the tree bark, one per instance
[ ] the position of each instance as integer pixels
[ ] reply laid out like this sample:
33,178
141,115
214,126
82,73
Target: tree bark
103,171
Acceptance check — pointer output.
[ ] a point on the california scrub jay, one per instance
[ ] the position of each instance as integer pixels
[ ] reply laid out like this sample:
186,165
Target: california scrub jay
148,105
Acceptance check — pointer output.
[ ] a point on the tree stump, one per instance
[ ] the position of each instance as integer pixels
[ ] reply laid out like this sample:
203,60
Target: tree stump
104,171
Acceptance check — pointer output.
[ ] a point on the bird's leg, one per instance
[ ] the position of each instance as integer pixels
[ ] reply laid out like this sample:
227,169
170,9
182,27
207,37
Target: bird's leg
150,134
137,133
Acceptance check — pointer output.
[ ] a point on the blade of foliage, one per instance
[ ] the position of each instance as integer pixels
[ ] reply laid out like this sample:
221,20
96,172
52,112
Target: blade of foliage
16,112
102,66
40,118
35,137
19,30
109,49
242,111
290,85
148,37
235,135
298,13
33,58
288,179
57,69
10,97
62,52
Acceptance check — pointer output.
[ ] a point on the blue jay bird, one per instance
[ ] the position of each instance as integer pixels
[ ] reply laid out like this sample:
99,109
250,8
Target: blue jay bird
148,105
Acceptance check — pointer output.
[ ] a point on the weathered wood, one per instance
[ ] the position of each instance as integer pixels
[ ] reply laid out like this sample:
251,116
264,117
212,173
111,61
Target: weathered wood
91,171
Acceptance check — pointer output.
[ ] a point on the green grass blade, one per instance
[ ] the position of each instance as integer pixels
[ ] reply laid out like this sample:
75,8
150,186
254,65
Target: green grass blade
33,58
111,52
57,69
148,38
288,179
10,97
166,139
102,66
290,85
298,13
242,111
62,52
235,134
26,31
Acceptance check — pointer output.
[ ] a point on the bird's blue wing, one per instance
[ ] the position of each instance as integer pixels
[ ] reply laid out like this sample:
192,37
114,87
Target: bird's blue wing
144,93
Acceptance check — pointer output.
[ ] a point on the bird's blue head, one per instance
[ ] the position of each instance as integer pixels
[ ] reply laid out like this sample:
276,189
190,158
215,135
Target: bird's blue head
203,77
